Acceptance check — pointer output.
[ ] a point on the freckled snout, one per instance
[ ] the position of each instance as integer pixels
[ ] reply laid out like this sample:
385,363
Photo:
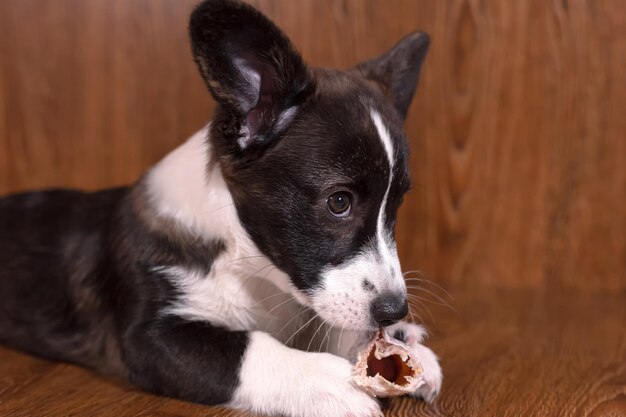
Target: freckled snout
389,308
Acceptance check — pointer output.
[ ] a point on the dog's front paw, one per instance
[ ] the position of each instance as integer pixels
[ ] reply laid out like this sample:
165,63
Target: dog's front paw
330,392
413,335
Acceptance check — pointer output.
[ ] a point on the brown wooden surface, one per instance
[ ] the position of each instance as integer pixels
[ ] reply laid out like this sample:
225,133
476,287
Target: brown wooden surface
505,353
519,162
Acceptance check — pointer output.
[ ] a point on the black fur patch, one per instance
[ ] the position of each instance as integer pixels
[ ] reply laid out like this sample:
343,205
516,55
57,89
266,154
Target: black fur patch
54,270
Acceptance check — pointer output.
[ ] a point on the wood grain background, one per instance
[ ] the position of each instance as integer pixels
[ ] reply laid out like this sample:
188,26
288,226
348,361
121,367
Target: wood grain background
518,137
518,128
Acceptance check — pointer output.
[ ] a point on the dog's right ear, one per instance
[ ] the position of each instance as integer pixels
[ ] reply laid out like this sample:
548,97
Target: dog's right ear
250,68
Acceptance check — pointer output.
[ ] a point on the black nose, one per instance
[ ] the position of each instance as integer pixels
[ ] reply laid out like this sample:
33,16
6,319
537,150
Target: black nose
388,309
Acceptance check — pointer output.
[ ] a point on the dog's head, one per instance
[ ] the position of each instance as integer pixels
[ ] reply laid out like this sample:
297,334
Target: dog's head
316,159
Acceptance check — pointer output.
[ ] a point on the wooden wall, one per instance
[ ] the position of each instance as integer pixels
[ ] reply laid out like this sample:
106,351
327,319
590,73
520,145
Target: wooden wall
518,128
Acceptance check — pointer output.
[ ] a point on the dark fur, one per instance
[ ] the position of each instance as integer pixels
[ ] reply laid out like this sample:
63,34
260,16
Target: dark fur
78,285
77,270
54,276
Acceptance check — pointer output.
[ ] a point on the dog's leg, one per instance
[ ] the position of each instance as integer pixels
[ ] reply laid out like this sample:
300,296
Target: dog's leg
198,362
278,379
413,335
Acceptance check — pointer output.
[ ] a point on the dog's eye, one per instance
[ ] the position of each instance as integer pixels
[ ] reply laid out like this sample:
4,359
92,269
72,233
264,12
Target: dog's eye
340,203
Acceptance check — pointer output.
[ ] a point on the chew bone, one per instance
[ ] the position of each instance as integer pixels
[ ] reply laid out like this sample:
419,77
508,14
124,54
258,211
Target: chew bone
386,368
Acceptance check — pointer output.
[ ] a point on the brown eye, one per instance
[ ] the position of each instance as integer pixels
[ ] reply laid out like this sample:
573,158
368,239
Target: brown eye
340,203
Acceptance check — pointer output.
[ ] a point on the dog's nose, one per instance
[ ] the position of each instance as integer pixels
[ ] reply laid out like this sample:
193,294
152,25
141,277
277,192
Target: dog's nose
388,308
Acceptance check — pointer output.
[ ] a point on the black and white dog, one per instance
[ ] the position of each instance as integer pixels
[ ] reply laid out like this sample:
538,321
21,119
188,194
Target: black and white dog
245,267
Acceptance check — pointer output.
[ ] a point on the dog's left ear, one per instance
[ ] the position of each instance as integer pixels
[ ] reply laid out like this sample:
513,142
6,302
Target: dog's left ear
250,68
397,71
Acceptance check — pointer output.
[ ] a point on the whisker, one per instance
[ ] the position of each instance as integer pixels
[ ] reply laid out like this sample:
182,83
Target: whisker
422,277
454,310
302,327
428,299
219,208
296,316
426,290
417,314
417,300
327,334
411,314
315,334
271,296
245,258
251,275
270,271
292,298
339,342
428,281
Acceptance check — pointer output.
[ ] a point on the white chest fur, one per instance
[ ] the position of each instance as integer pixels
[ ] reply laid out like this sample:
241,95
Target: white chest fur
243,290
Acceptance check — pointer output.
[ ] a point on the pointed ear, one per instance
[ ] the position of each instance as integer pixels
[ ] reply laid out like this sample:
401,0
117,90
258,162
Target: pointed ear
398,70
250,68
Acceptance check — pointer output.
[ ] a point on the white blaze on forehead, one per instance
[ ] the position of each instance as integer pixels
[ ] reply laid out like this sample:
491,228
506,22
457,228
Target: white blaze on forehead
343,299
385,246
383,134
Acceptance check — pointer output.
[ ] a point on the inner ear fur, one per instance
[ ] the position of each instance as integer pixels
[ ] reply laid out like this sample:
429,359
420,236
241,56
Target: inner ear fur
250,68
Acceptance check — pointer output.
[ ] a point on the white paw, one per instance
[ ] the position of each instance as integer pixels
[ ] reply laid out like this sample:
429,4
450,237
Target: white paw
330,392
413,335
278,380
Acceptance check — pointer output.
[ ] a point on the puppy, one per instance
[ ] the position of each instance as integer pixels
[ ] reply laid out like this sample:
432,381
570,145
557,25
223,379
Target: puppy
207,278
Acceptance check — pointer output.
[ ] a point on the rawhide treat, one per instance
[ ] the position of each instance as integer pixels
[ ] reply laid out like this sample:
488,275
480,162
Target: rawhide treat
385,368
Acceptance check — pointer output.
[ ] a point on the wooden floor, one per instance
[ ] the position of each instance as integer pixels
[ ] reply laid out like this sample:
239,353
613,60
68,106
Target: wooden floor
504,353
